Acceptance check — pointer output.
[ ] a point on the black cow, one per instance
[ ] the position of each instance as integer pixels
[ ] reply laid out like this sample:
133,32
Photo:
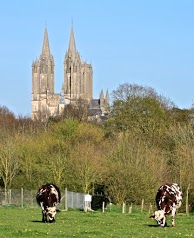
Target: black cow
97,201
48,196
168,199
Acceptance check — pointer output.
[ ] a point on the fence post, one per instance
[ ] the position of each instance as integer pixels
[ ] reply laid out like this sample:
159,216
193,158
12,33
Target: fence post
187,200
9,196
130,209
77,199
123,208
66,207
32,203
22,197
150,208
72,199
142,205
103,205
6,196
110,206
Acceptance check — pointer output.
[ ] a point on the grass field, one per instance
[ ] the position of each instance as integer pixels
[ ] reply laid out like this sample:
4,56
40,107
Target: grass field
26,222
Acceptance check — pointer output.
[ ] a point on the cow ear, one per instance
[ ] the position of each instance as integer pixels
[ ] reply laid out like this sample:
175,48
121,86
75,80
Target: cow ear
152,216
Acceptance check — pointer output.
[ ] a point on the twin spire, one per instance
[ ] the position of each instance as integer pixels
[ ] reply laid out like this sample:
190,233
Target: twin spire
71,49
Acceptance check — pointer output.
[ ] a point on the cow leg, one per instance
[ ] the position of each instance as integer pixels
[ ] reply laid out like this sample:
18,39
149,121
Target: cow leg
44,216
163,224
173,221
173,215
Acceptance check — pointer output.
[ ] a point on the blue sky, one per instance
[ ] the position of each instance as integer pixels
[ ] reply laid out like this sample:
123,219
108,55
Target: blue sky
150,43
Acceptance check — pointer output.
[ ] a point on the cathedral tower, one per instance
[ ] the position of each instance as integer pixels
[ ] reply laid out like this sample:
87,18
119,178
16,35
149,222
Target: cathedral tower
42,79
78,75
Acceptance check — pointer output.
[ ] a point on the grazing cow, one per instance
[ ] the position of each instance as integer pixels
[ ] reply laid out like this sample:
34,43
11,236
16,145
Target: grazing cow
48,196
168,199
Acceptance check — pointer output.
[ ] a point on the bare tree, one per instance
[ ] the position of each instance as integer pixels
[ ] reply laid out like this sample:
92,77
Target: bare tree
134,169
86,164
9,161
57,163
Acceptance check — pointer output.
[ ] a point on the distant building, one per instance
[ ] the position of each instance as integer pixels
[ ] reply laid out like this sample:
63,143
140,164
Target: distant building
77,84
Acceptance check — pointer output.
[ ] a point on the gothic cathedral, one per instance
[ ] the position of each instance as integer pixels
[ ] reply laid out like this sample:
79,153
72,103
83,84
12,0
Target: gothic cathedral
77,85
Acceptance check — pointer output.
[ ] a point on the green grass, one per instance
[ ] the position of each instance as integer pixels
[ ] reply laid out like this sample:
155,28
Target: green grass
26,222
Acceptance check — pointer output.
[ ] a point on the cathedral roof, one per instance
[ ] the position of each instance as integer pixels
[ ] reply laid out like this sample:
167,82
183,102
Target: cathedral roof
94,104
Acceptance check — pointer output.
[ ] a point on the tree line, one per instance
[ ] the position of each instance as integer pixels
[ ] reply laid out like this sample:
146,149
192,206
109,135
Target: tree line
146,141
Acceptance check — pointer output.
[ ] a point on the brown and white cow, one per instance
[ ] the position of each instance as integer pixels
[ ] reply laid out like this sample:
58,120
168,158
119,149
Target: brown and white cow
48,196
168,199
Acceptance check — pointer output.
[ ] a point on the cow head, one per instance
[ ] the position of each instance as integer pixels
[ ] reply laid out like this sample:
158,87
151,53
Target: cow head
51,212
159,216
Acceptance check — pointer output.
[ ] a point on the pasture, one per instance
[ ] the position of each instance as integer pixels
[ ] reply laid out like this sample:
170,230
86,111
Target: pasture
26,222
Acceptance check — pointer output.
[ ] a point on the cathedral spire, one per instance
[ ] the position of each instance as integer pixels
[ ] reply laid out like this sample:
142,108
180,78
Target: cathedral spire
107,98
45,46
72,47
102,95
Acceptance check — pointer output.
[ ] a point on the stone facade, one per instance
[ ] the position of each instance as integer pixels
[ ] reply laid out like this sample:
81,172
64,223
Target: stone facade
78,83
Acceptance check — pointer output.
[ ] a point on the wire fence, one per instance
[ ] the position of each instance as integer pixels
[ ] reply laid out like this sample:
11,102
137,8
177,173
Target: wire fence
74,200
69,200
27,198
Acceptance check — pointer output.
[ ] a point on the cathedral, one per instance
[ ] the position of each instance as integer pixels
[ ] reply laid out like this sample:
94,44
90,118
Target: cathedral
77,83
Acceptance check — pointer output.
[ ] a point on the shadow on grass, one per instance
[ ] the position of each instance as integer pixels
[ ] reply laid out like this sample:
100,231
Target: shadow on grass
38,221
151,225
